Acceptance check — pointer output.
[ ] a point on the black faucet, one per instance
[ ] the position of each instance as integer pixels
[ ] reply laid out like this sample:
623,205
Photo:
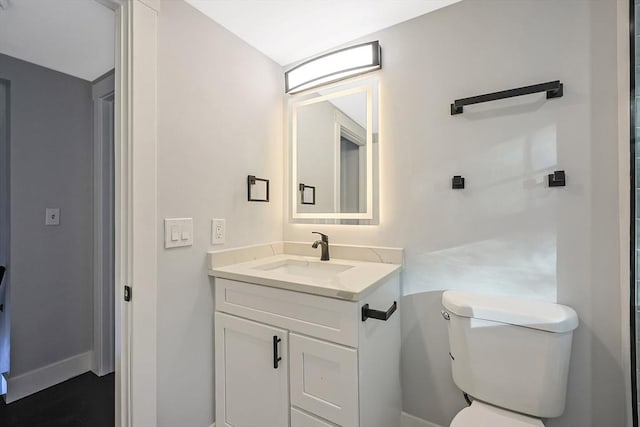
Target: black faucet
325,246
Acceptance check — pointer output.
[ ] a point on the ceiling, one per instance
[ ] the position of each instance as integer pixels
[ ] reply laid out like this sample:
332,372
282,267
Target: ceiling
290,30
76,37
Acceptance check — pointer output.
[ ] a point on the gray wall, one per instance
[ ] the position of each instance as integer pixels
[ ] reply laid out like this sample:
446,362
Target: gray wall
219,120
506,233
51,166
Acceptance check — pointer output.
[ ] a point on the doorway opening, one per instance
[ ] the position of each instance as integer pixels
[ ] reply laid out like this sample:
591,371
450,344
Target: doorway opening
57,186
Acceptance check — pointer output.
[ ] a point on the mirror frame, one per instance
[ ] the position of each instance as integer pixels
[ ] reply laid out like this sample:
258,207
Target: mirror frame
343,89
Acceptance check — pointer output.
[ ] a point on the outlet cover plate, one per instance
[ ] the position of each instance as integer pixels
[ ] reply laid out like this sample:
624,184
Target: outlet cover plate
218,231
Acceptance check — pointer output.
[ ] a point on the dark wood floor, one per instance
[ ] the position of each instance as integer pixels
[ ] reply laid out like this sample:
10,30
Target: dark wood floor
84,401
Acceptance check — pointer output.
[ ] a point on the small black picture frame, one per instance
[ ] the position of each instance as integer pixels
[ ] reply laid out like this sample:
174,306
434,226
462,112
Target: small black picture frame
307,194
256,191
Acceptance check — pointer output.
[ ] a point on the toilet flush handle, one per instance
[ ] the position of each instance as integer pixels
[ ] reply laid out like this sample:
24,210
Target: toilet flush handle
445,315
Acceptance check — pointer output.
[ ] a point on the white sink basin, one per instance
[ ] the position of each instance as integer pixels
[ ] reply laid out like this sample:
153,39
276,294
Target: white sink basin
311,269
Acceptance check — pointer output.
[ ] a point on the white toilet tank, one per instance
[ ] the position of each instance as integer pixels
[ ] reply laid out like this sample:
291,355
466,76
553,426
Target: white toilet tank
510,352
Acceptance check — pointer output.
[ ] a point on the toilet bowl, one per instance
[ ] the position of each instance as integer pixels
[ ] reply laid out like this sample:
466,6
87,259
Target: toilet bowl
480,414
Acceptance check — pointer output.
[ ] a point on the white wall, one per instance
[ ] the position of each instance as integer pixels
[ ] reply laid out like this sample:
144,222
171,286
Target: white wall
507,232
51,166
219,120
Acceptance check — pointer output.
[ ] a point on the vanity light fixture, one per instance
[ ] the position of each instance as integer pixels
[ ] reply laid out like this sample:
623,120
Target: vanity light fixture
334,66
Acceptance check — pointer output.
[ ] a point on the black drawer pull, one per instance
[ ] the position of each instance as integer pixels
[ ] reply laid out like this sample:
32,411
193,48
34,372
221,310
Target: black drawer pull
378,314
276,358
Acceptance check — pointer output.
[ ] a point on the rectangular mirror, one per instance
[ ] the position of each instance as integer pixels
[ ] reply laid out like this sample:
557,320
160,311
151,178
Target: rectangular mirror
334,139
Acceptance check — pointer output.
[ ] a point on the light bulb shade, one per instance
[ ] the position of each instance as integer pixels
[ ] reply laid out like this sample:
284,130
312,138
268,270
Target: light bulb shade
334,66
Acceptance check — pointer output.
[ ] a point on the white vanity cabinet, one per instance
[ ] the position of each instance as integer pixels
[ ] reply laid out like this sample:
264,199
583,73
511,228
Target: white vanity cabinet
334,369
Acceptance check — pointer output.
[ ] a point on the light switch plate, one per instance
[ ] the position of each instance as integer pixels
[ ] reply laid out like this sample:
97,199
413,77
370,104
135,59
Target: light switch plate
178,232
218,231
52,216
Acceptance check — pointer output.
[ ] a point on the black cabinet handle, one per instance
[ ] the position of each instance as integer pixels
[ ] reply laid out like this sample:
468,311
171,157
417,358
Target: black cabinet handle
276,358
2,270
378,314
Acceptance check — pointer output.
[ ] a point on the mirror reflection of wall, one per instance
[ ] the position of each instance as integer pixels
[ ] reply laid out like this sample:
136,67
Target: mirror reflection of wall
334,132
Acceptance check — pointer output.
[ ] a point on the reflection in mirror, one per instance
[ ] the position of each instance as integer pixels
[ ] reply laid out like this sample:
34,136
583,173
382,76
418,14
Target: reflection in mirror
334,135
307,194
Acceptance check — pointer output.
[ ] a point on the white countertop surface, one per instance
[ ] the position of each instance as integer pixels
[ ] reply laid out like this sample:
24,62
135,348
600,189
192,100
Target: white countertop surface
352,284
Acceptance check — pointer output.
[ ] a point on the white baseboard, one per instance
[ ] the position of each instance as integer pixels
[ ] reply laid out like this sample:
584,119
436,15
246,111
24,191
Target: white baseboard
406,420
34,381
410,421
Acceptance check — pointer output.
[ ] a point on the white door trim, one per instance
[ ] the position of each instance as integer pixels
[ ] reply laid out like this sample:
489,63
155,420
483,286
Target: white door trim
624,201
103,279
122,236
135,210
139,195
5,235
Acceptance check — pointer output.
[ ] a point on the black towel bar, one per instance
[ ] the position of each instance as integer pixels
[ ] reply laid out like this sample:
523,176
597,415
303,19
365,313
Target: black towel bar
378,314
554,90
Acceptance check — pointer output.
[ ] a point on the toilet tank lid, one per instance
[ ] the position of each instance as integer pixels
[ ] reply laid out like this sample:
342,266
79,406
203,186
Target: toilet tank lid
534,314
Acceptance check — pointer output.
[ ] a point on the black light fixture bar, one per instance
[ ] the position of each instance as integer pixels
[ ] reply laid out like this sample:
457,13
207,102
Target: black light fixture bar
554,90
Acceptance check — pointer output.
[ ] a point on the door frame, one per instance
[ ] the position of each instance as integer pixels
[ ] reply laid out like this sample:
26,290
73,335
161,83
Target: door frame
5,222
345,125
103,92
626,200
135,210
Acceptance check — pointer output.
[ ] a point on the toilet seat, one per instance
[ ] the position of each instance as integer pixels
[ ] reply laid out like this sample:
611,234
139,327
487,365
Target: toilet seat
480,414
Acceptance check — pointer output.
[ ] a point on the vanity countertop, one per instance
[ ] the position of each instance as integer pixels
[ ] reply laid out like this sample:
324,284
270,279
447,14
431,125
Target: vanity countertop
338,278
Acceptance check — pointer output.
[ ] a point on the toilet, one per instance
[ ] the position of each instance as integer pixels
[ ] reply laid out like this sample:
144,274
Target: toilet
510,355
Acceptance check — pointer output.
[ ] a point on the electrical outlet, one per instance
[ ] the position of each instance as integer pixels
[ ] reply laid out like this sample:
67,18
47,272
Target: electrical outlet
218,231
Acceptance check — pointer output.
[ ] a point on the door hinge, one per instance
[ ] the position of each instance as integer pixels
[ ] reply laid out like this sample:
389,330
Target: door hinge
127,293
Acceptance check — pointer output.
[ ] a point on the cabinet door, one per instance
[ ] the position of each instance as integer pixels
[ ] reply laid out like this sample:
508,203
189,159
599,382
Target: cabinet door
324,379
250,390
